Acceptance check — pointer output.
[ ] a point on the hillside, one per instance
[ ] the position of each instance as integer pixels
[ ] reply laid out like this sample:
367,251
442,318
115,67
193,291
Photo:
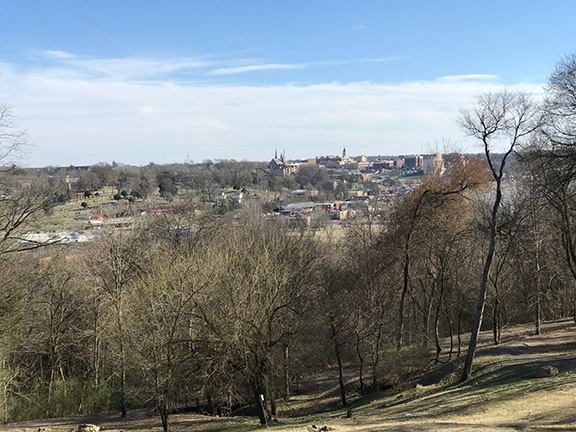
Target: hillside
503,395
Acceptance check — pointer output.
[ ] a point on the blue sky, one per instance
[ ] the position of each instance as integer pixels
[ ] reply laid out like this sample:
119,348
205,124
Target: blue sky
137,81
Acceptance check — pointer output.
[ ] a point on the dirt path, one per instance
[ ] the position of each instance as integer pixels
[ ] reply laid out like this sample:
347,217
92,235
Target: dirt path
559,344
113,417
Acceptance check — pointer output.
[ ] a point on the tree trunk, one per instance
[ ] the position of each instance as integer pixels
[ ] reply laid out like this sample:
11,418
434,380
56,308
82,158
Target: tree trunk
483,286
341,377
261,409
400,337
376,360
460,333
123,401
496,321
427,317
286,372
538,312
437,321
209,402
340,369
163,408
449,320
361,371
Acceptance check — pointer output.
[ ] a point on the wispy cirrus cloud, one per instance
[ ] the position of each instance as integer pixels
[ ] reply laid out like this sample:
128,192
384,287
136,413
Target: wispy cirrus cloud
126,68
357,28
61,55
283,66
254,68
468,77
141,68
344,62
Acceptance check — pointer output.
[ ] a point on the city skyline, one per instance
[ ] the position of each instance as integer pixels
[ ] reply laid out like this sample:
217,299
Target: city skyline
137,82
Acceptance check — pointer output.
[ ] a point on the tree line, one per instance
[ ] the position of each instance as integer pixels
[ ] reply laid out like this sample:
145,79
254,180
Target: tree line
206,178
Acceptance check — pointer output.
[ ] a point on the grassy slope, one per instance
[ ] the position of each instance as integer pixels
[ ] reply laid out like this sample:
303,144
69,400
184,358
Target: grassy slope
502,395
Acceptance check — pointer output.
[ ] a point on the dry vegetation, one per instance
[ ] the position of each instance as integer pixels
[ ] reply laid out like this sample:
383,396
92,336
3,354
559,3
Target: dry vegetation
504,395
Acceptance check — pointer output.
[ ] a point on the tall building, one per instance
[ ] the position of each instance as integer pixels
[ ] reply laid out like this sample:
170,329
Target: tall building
434,165
413,161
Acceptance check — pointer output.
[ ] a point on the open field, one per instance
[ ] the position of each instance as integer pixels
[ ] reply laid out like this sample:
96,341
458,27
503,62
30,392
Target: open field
503,395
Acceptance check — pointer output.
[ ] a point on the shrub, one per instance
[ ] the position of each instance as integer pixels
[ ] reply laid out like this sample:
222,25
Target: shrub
62,399
401,366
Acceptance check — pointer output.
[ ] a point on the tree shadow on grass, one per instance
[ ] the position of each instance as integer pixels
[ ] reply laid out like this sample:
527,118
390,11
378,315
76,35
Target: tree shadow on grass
496,382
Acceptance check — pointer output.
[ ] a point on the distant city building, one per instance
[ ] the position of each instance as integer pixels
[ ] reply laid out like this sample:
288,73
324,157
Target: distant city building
280,167
345,160
363,163
336,161
384,164
434,165
328,161
416,161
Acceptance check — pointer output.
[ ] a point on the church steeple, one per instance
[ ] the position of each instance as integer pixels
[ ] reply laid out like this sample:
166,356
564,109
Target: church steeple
276,153
344,153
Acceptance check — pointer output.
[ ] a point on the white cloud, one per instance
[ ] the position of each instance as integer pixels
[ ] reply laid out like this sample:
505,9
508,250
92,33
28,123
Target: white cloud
76,119
60,55
280,66
121,68
357,28
252,68
137,68
468,77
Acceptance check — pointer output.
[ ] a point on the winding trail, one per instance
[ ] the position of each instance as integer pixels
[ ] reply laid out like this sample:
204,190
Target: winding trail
538,348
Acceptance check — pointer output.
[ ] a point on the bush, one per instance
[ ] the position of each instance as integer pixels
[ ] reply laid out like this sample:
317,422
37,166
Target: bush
84,204
402,366
63,399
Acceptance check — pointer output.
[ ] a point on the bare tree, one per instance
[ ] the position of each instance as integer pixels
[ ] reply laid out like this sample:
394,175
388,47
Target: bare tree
434,193
17,206
161,331
551,158
12,140
507,119
117,263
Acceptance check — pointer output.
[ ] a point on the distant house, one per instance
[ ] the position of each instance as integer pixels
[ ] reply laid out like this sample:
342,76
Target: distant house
356,193
219,198
298,208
